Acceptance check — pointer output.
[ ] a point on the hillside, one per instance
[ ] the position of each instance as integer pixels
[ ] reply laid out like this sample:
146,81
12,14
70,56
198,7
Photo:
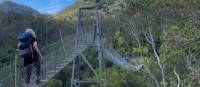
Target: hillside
9,6
159,34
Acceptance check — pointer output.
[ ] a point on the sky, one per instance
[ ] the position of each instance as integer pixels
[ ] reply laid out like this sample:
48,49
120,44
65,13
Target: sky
46,6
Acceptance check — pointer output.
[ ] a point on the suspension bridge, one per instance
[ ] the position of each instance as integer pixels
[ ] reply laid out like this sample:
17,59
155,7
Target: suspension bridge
58,55
66,50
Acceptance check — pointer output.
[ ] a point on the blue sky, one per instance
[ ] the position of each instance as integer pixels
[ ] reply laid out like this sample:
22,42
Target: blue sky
46,6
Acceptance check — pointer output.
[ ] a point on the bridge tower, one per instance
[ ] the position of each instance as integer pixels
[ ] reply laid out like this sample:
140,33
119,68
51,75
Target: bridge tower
90,40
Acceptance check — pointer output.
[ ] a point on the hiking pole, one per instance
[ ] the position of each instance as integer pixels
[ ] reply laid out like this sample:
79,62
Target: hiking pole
15,70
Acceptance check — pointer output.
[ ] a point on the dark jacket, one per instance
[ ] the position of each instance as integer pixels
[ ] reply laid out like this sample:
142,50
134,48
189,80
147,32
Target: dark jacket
35,57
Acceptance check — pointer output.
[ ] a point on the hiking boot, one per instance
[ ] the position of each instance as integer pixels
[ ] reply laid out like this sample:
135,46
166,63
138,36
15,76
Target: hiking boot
27,84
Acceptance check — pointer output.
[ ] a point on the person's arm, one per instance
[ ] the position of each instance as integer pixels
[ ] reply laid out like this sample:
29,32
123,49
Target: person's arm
35,46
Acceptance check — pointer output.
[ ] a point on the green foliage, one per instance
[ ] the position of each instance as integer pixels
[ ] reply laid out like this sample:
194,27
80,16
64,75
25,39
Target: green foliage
121,43
54,83
175,29
179,41
141,51
122,78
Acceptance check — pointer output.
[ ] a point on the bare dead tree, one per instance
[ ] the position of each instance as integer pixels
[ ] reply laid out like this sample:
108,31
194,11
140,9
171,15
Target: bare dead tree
177,76
148,72
152,76
188,63
193,66
136,38
133,32
162,25
151,41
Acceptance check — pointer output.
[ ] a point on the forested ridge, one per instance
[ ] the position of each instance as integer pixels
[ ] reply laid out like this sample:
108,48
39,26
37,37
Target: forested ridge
163,35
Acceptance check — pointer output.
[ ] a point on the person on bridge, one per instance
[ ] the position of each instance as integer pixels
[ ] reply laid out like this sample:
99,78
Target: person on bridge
34,59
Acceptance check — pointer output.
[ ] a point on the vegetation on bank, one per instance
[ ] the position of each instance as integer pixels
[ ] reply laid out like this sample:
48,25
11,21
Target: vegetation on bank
164,35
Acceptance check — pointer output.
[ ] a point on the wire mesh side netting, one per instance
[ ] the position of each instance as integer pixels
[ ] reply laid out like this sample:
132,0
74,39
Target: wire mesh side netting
51,64
57,56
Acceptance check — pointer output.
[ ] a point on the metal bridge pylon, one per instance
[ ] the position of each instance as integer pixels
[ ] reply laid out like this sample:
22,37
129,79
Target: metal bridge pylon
92,40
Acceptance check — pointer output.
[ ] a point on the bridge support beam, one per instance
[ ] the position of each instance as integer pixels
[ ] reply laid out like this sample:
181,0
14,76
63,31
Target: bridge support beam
76,79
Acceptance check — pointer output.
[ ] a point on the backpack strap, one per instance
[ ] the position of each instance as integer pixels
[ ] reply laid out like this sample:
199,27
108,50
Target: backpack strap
32,49
31,46
34,53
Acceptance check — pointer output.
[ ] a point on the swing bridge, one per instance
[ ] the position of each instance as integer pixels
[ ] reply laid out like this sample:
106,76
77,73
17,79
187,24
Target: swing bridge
69,49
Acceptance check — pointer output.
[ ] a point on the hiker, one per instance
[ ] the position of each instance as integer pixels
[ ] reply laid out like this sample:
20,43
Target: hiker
29,51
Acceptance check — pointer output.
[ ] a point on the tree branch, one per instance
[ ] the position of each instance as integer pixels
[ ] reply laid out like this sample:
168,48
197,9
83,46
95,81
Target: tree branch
151,75
177,76
151,41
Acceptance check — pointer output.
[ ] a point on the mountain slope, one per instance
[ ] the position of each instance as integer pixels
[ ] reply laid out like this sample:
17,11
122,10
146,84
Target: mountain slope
68,13
9,6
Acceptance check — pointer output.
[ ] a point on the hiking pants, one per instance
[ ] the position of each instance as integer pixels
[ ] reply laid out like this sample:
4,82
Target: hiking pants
29,69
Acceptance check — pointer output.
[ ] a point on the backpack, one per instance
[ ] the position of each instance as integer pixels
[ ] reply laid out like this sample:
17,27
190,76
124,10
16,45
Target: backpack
24,47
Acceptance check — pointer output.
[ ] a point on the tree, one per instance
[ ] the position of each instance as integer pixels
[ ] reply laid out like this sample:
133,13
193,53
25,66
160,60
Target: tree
178,50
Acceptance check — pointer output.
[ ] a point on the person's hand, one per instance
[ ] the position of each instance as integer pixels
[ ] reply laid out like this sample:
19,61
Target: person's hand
41,58
17,50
